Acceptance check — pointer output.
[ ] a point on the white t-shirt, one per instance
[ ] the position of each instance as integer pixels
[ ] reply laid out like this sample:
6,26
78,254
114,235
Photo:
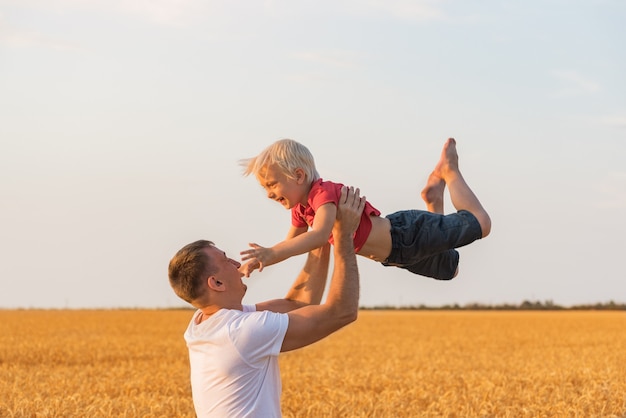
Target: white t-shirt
234,363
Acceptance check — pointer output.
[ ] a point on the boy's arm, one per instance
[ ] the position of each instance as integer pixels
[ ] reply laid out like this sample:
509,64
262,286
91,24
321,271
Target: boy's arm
253,264
308,288
314,238
294,231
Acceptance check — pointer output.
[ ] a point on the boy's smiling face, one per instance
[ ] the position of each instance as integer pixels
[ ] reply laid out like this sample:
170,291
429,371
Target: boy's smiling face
287,191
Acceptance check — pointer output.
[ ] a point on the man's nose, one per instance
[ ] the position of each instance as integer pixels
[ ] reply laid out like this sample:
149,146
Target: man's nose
235,263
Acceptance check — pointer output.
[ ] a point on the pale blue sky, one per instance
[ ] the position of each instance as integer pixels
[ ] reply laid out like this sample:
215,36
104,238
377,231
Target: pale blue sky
121,124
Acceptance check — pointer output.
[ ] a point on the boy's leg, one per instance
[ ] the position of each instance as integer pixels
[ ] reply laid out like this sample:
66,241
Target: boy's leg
447,173
424,242
442,266
446,263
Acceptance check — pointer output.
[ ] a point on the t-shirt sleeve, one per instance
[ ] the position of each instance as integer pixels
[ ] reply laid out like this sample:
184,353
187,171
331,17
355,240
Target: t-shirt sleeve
327,192
296,218
321,193
259,334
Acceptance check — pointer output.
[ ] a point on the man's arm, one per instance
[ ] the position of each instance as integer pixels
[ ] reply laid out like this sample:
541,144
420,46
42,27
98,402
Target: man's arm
308,288
314,322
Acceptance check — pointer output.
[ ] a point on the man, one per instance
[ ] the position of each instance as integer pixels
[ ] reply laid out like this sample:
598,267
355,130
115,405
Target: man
233,348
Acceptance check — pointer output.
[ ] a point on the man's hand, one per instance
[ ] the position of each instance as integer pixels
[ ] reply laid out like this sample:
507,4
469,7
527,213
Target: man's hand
349,211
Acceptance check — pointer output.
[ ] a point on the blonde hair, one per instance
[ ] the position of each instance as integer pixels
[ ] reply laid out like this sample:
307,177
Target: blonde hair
287,155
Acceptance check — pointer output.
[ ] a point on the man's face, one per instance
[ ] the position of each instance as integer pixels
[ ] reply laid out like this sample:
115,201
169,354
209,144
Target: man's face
228,272
281,188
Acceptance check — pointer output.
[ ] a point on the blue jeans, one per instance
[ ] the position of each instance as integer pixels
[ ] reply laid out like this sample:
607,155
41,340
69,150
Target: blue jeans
424,242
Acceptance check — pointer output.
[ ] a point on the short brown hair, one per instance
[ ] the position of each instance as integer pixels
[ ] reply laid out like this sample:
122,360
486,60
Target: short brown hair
188,268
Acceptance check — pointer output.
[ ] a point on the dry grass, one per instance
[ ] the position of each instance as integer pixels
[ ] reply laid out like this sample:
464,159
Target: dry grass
94,364
387,364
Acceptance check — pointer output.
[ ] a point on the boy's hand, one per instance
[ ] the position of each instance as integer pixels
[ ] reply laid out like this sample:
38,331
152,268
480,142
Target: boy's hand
262,255
247,268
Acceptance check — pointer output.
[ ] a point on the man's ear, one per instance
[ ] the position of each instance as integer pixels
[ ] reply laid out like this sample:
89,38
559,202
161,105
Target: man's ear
215,284
300,175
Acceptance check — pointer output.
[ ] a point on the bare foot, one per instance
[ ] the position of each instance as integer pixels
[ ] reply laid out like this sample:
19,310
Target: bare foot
432,194
448,163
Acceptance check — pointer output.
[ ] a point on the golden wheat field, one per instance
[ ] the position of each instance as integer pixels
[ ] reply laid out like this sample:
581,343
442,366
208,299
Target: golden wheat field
133,363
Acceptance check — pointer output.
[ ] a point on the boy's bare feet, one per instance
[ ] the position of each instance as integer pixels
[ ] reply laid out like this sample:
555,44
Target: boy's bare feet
447,166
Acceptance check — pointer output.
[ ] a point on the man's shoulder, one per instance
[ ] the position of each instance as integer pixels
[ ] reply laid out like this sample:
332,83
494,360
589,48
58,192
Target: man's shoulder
248,314
228,321
256,327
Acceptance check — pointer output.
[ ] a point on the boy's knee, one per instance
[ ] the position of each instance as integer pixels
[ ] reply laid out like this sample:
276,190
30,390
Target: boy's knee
485,225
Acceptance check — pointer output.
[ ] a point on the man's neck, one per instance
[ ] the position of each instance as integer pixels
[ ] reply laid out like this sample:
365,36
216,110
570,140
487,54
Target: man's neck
208,311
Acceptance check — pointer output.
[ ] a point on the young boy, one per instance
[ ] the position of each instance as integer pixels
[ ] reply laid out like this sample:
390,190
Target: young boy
422,242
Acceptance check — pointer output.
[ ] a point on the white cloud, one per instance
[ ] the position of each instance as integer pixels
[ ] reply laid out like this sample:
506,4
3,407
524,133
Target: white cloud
414,10
187,12
612,191
20,38
334,58
574,84
417,10
308,78
331,60
616,120
165,12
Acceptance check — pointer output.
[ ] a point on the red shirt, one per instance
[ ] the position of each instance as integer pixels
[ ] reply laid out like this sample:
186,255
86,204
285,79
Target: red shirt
323,192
